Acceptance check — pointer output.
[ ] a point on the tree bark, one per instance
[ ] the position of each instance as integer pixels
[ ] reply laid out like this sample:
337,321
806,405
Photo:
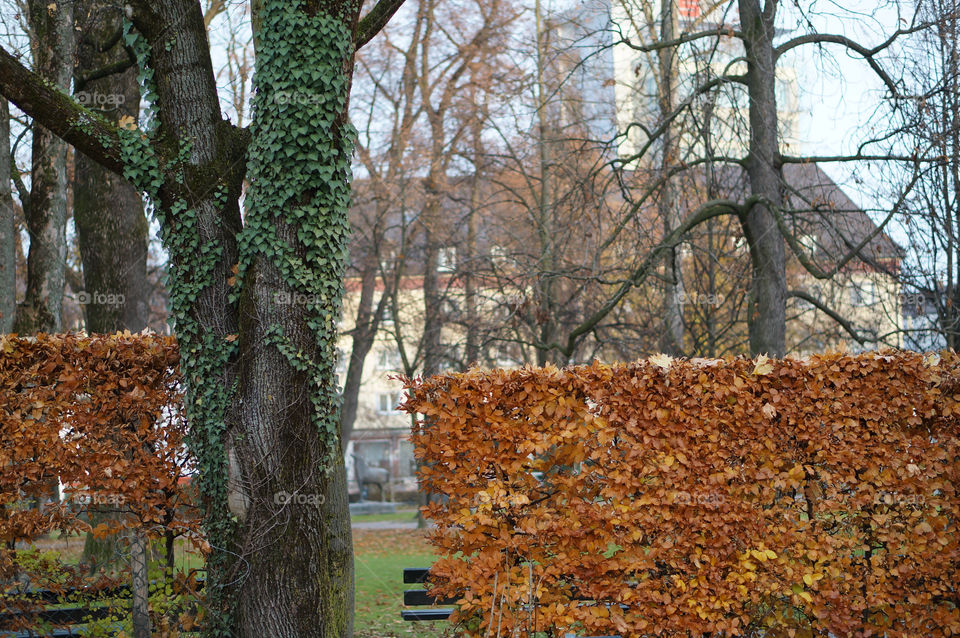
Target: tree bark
471,307
52,42
288,440
672,338
112,234
108,211
140,583
8,229
544,319
767,308
364,334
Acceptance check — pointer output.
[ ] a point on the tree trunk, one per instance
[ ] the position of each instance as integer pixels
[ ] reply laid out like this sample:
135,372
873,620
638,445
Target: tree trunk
767,308
432,302
672,337
544,319
140,583
112,233
8,229
948,33
108,211
471,307
288,445
364,334
52,42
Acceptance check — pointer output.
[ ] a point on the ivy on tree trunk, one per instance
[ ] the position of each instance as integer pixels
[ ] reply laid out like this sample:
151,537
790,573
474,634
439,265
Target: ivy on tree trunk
256,306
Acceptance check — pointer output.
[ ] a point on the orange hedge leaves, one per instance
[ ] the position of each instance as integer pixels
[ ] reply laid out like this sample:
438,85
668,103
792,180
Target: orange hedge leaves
103,415
799,497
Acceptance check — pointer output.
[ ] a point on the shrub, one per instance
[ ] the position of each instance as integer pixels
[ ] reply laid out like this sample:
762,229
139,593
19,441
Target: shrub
667,497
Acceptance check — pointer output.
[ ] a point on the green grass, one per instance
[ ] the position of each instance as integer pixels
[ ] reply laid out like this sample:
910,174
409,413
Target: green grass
379,559
407,515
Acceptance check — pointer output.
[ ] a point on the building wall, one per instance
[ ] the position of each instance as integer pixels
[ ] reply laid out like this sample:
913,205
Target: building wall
869,301
619,84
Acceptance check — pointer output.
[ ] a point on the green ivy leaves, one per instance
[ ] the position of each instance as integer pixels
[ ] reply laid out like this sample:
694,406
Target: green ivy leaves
299,170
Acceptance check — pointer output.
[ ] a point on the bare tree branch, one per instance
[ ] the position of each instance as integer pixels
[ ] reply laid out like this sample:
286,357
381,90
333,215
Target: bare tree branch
868,54
720,31
88,132
708,210
377,18
846,325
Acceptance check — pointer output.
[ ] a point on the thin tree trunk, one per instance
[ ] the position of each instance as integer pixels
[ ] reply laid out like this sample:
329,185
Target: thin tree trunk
8,229
949,33
672,338
112,233
432,310
364,334
51,27
767,308
544,317
139,583
471,307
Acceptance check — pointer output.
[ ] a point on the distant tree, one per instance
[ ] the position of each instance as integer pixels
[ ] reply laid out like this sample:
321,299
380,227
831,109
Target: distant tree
932,225
52,46
8,228
743,48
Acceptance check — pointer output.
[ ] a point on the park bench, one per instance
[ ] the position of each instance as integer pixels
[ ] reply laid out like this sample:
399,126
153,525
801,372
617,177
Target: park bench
70,617
420,598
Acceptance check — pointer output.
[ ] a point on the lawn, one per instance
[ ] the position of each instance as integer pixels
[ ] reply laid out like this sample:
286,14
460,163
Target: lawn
380,556
404,515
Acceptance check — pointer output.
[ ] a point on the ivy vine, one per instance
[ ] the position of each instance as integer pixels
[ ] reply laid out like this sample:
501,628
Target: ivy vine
299,170
299,178
203,355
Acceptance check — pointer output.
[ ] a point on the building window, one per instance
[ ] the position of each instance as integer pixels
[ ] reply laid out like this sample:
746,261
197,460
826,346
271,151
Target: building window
447,259
388,359
341,361
864,294
389,402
